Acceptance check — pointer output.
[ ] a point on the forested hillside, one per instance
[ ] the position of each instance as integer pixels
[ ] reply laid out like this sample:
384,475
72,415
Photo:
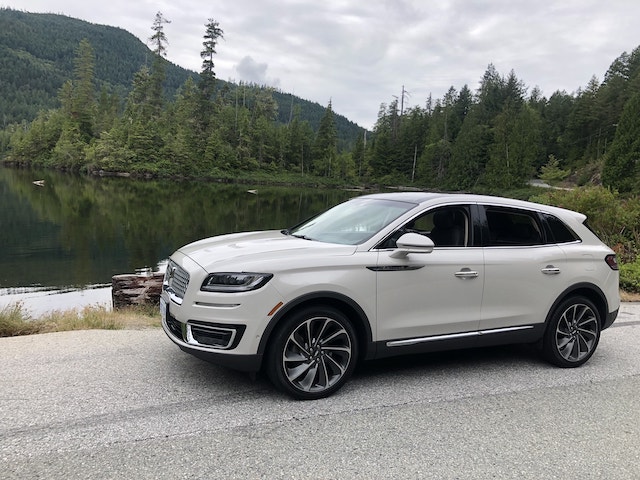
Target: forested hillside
37,54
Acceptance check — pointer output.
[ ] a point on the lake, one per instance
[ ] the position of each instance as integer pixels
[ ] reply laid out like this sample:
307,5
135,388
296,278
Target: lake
74,231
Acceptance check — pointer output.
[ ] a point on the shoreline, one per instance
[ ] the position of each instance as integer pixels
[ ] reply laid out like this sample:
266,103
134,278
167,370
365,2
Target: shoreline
38,303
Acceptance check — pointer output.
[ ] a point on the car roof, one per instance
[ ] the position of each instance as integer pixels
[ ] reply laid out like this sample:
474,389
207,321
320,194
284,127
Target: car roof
435,198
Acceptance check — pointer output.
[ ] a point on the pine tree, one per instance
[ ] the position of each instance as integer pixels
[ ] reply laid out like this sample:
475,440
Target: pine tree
212,34
325,147
158,74
159,39
622,163
84,90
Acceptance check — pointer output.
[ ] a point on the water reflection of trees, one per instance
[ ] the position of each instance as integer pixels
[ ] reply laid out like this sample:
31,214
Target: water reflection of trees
112,225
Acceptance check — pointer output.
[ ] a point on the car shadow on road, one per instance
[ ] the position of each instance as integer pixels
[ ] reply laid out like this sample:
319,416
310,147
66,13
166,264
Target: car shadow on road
216,382
472,358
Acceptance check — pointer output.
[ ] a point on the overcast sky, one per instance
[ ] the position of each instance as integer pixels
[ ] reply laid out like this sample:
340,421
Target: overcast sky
359,54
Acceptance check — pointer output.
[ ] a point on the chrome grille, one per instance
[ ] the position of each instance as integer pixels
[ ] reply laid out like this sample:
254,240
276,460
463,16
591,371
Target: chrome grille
176,279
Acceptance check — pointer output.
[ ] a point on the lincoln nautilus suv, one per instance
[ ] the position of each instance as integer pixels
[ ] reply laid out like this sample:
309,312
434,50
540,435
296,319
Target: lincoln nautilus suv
391,274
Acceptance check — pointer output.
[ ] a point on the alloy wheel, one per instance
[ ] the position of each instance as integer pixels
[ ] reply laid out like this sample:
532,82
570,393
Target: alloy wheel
577,332
316,354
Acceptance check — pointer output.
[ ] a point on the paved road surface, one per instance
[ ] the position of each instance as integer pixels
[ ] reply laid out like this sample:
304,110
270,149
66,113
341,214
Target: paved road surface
129,404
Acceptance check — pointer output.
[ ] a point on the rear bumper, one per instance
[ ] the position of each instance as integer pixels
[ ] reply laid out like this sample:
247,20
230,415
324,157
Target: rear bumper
611,317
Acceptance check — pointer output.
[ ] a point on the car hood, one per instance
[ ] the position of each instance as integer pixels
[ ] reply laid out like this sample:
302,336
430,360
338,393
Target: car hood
246,251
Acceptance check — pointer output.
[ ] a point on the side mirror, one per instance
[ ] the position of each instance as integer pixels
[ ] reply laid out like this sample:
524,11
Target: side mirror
412,243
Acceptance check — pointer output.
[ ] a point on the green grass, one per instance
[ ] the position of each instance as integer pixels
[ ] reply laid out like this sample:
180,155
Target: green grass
15,320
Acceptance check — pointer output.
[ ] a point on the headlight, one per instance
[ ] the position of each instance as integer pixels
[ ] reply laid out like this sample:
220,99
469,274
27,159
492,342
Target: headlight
235,282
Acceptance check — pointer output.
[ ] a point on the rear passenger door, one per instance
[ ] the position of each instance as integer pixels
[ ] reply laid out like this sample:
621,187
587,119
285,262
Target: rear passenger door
523,268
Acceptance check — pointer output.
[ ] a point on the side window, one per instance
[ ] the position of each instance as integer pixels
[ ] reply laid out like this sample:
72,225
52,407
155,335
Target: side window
560,233
511,227
446,226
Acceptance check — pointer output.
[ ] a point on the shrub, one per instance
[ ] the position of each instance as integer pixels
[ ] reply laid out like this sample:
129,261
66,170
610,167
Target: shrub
630,277
616,220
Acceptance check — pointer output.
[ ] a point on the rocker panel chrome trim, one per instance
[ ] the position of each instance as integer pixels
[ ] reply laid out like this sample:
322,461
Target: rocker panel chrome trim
454,336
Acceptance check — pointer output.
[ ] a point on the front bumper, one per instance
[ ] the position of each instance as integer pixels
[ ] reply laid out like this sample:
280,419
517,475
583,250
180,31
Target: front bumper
242,363
191,340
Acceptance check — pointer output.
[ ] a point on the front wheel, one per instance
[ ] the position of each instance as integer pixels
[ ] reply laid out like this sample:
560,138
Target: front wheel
313,353
573,333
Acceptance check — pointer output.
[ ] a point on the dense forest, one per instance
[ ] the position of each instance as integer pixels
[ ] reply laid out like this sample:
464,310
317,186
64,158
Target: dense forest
494,138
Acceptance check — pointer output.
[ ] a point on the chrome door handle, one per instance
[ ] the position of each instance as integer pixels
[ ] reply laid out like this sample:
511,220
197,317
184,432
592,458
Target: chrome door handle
466,273
550,270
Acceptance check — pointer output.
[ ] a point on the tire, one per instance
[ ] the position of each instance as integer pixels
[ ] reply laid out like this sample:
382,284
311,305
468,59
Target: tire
572,333
313,353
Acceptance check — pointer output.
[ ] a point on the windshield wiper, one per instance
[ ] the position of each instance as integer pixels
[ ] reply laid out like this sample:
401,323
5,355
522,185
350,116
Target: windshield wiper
287,232
303,237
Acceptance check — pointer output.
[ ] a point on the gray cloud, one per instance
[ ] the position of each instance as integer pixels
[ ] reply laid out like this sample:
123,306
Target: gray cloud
360,54
254,72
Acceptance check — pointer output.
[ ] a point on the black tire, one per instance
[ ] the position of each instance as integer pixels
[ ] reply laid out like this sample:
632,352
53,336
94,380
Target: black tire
313,353
572,333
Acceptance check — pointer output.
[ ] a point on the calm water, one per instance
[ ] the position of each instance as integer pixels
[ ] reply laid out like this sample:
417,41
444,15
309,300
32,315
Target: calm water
76,231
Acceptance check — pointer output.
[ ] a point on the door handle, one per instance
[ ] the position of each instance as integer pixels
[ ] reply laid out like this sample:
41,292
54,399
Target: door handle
466,273
550,270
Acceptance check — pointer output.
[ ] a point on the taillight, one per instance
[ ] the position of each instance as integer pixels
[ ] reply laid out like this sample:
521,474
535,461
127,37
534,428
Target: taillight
611,261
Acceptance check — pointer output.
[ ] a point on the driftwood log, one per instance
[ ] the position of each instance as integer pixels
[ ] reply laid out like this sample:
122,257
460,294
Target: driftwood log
136,289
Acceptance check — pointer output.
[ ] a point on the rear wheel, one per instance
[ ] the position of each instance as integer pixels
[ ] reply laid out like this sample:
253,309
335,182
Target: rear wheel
313,353
573,333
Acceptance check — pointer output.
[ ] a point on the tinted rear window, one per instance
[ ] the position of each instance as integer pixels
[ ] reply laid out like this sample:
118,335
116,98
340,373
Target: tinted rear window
512,227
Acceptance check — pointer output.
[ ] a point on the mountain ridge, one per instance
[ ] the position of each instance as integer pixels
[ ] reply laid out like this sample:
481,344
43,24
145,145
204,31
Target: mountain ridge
41,47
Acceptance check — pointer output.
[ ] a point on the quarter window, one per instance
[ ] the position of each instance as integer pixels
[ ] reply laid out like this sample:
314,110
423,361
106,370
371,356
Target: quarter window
559,231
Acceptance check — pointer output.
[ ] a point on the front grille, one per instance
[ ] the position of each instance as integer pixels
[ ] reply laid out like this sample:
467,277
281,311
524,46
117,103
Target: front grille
176,279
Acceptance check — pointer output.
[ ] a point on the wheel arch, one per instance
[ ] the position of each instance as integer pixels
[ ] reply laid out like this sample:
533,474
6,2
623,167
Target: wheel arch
588,290
346,305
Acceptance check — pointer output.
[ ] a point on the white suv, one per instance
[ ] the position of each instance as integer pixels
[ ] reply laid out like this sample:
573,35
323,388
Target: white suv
391,274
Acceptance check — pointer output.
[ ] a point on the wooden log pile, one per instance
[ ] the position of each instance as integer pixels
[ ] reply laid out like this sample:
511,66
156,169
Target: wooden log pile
136,289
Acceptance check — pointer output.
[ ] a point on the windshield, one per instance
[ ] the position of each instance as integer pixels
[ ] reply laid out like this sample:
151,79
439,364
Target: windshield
352,222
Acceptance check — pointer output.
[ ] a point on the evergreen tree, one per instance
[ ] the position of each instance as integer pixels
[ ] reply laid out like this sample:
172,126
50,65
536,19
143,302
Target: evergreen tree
515,149
84,90
300,142
212,34
469,153
555,116
158,73
159,39
325,147
490,94
584,121
384,153
358,155
622,163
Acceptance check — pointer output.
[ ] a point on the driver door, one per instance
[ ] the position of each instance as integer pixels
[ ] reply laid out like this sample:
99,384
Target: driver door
437,293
